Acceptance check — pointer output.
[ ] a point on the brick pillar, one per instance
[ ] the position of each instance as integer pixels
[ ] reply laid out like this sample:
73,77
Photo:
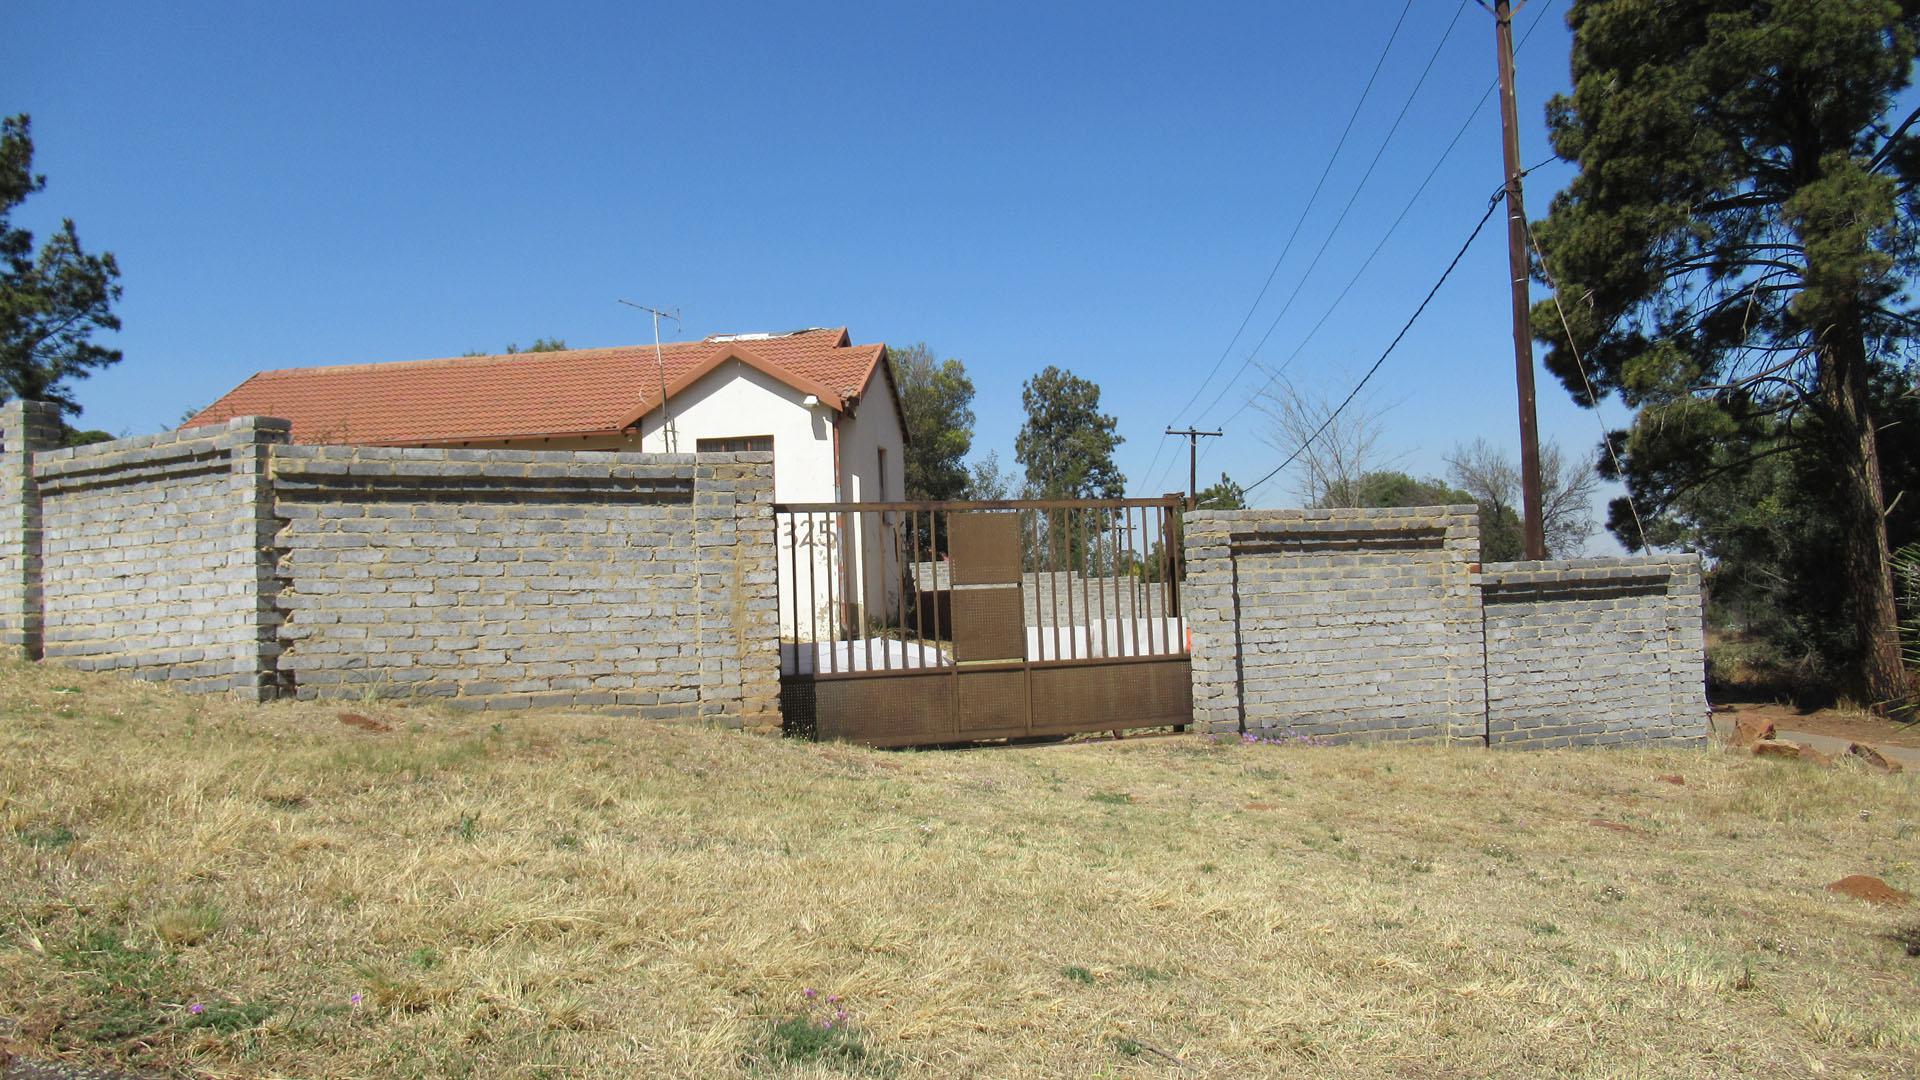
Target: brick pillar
256,670
25,428
737,594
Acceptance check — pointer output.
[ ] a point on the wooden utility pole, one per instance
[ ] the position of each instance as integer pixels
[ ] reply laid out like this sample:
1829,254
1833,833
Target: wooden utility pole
1193,461
1518,269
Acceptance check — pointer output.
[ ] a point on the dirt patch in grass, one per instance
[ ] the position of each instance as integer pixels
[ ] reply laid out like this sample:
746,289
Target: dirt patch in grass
1853,725
551,894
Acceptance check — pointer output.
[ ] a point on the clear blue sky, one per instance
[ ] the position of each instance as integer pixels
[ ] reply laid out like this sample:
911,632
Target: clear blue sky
1102,187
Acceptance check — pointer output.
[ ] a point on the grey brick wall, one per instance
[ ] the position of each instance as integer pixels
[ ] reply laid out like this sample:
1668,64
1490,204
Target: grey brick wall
1338,624
1594,651
1380,624
507,579
25,428
149,560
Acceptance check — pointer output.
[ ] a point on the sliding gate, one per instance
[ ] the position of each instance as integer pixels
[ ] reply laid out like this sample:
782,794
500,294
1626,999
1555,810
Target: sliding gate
920,623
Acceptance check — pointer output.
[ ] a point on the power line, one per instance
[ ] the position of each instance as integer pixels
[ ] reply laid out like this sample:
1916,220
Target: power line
1492,205
1386,141
1606,439
1465,125
1298,223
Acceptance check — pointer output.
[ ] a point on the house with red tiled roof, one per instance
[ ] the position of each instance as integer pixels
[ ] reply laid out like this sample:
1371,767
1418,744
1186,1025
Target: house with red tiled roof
829,410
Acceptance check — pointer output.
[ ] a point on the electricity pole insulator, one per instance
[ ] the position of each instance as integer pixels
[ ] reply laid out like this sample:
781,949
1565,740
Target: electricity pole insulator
1193,461
1535,532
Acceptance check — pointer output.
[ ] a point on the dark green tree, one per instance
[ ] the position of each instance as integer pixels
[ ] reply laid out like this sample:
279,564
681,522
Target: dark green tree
1733,253
936,396
53,302
540,344
1067,443
1225,495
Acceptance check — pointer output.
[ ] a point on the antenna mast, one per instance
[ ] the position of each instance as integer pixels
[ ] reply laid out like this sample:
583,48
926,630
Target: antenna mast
669,439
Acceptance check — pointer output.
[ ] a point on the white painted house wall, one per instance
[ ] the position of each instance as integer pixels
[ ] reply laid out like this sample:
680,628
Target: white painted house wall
736,400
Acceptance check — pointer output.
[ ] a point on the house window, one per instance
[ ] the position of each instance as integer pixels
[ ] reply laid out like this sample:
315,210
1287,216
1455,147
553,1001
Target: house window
735,445
880,478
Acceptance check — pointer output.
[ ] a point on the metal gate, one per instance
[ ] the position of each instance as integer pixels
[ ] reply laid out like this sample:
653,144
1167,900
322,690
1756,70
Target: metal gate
916,623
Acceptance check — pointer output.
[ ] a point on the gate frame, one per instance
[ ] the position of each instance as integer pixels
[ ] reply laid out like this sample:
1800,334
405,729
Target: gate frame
897,705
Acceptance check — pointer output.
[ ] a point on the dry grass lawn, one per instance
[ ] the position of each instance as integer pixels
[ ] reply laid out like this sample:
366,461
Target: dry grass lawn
207,888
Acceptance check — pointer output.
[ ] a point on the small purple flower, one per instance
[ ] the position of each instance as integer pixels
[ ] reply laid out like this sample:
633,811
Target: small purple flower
809,993
355,999
841,1016
196,1008
833,999
826,1025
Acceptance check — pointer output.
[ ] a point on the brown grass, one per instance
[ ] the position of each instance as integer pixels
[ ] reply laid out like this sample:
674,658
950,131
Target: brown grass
588,897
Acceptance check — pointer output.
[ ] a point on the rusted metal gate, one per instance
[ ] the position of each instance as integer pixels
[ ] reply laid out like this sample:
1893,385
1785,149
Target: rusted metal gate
917,623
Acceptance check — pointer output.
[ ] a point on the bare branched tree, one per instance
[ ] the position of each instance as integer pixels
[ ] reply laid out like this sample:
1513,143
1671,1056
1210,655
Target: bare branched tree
1339,450
1493,479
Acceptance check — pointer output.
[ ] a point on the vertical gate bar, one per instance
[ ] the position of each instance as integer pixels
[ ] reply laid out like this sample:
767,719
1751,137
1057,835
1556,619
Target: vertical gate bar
1176,540
1146,585
1073,644
1101,584
900,570
1053,578
793,584
1133,584
1033,556
883,542
1170,583
933,537
1160,586
919,620
1119,631
813,598
864,573
1142,615
833,603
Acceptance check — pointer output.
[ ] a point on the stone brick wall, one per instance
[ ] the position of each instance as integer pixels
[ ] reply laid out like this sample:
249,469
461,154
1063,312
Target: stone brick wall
150,556
223,559
1380,624
25,427
506,579
1336,623
1589,651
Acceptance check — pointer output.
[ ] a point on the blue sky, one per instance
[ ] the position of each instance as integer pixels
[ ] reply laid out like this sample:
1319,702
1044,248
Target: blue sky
1103,187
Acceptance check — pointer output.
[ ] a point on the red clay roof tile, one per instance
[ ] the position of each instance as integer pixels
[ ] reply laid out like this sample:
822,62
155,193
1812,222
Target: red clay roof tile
575,392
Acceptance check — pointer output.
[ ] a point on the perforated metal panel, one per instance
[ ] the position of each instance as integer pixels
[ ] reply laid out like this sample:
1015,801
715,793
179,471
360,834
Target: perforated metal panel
988,624
963,565
892,710
1130,693
984,548
992,704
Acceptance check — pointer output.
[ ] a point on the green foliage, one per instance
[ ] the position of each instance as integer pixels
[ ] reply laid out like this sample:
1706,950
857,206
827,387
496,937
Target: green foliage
1732,259
51,304
1067,443
1225,495
802,1040
936,397
986,480
72,436
539,345
47,836
1078,974
1390,488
